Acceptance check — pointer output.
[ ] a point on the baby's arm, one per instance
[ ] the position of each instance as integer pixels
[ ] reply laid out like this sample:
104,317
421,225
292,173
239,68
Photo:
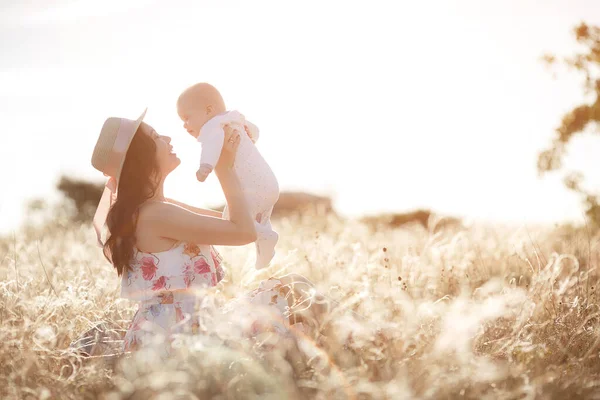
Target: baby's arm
212,143
251,130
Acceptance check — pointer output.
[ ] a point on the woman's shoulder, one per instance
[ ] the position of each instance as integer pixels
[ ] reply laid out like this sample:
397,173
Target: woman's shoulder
152,211
148,236
151,207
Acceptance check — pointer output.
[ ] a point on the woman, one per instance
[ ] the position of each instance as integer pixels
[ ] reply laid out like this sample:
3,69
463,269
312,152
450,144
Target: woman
162,249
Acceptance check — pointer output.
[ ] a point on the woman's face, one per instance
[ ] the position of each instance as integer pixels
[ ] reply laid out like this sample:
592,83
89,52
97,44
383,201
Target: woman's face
165,157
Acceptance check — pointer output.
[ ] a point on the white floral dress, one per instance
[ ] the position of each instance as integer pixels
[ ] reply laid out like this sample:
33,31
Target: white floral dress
167,286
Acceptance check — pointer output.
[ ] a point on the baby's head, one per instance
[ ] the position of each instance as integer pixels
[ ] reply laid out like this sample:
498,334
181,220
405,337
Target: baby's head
197,105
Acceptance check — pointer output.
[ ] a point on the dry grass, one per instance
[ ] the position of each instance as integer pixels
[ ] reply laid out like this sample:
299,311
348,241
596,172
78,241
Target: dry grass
474,313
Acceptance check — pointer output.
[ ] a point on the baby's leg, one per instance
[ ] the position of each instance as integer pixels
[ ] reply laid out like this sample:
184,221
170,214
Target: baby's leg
265,246
266,241
267,238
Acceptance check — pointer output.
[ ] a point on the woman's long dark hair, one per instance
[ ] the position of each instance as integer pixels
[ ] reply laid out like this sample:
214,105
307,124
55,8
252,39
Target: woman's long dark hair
138,182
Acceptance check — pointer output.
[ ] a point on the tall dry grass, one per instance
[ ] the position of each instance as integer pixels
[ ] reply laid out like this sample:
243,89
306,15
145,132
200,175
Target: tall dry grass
480,312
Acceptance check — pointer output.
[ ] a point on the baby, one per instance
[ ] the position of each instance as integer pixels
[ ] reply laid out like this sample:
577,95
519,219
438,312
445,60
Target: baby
203,112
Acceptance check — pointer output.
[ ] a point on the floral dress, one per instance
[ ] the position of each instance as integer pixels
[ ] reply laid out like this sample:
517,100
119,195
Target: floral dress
168,286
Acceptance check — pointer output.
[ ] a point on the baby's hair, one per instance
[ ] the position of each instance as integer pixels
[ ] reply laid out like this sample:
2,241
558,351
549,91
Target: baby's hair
202,93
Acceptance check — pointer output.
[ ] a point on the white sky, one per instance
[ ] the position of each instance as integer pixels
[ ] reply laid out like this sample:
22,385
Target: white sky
384,105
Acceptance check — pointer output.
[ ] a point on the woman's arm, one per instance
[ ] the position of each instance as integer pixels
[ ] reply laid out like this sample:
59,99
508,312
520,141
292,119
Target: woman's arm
175,222
197,210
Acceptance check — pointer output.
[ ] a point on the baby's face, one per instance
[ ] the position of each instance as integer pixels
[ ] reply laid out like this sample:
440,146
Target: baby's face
194,117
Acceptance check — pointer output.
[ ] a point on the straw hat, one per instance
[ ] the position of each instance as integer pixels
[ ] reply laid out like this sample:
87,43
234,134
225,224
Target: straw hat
108,157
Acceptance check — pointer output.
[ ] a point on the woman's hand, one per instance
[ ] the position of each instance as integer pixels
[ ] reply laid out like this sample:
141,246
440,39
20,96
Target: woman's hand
230,146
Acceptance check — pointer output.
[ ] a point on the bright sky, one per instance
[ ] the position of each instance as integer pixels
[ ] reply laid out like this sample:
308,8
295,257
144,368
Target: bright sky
384,105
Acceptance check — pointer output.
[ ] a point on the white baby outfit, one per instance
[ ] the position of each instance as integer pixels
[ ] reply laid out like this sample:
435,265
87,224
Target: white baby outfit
259,184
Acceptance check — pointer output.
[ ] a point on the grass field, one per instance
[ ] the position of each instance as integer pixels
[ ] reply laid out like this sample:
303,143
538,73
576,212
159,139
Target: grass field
477,312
